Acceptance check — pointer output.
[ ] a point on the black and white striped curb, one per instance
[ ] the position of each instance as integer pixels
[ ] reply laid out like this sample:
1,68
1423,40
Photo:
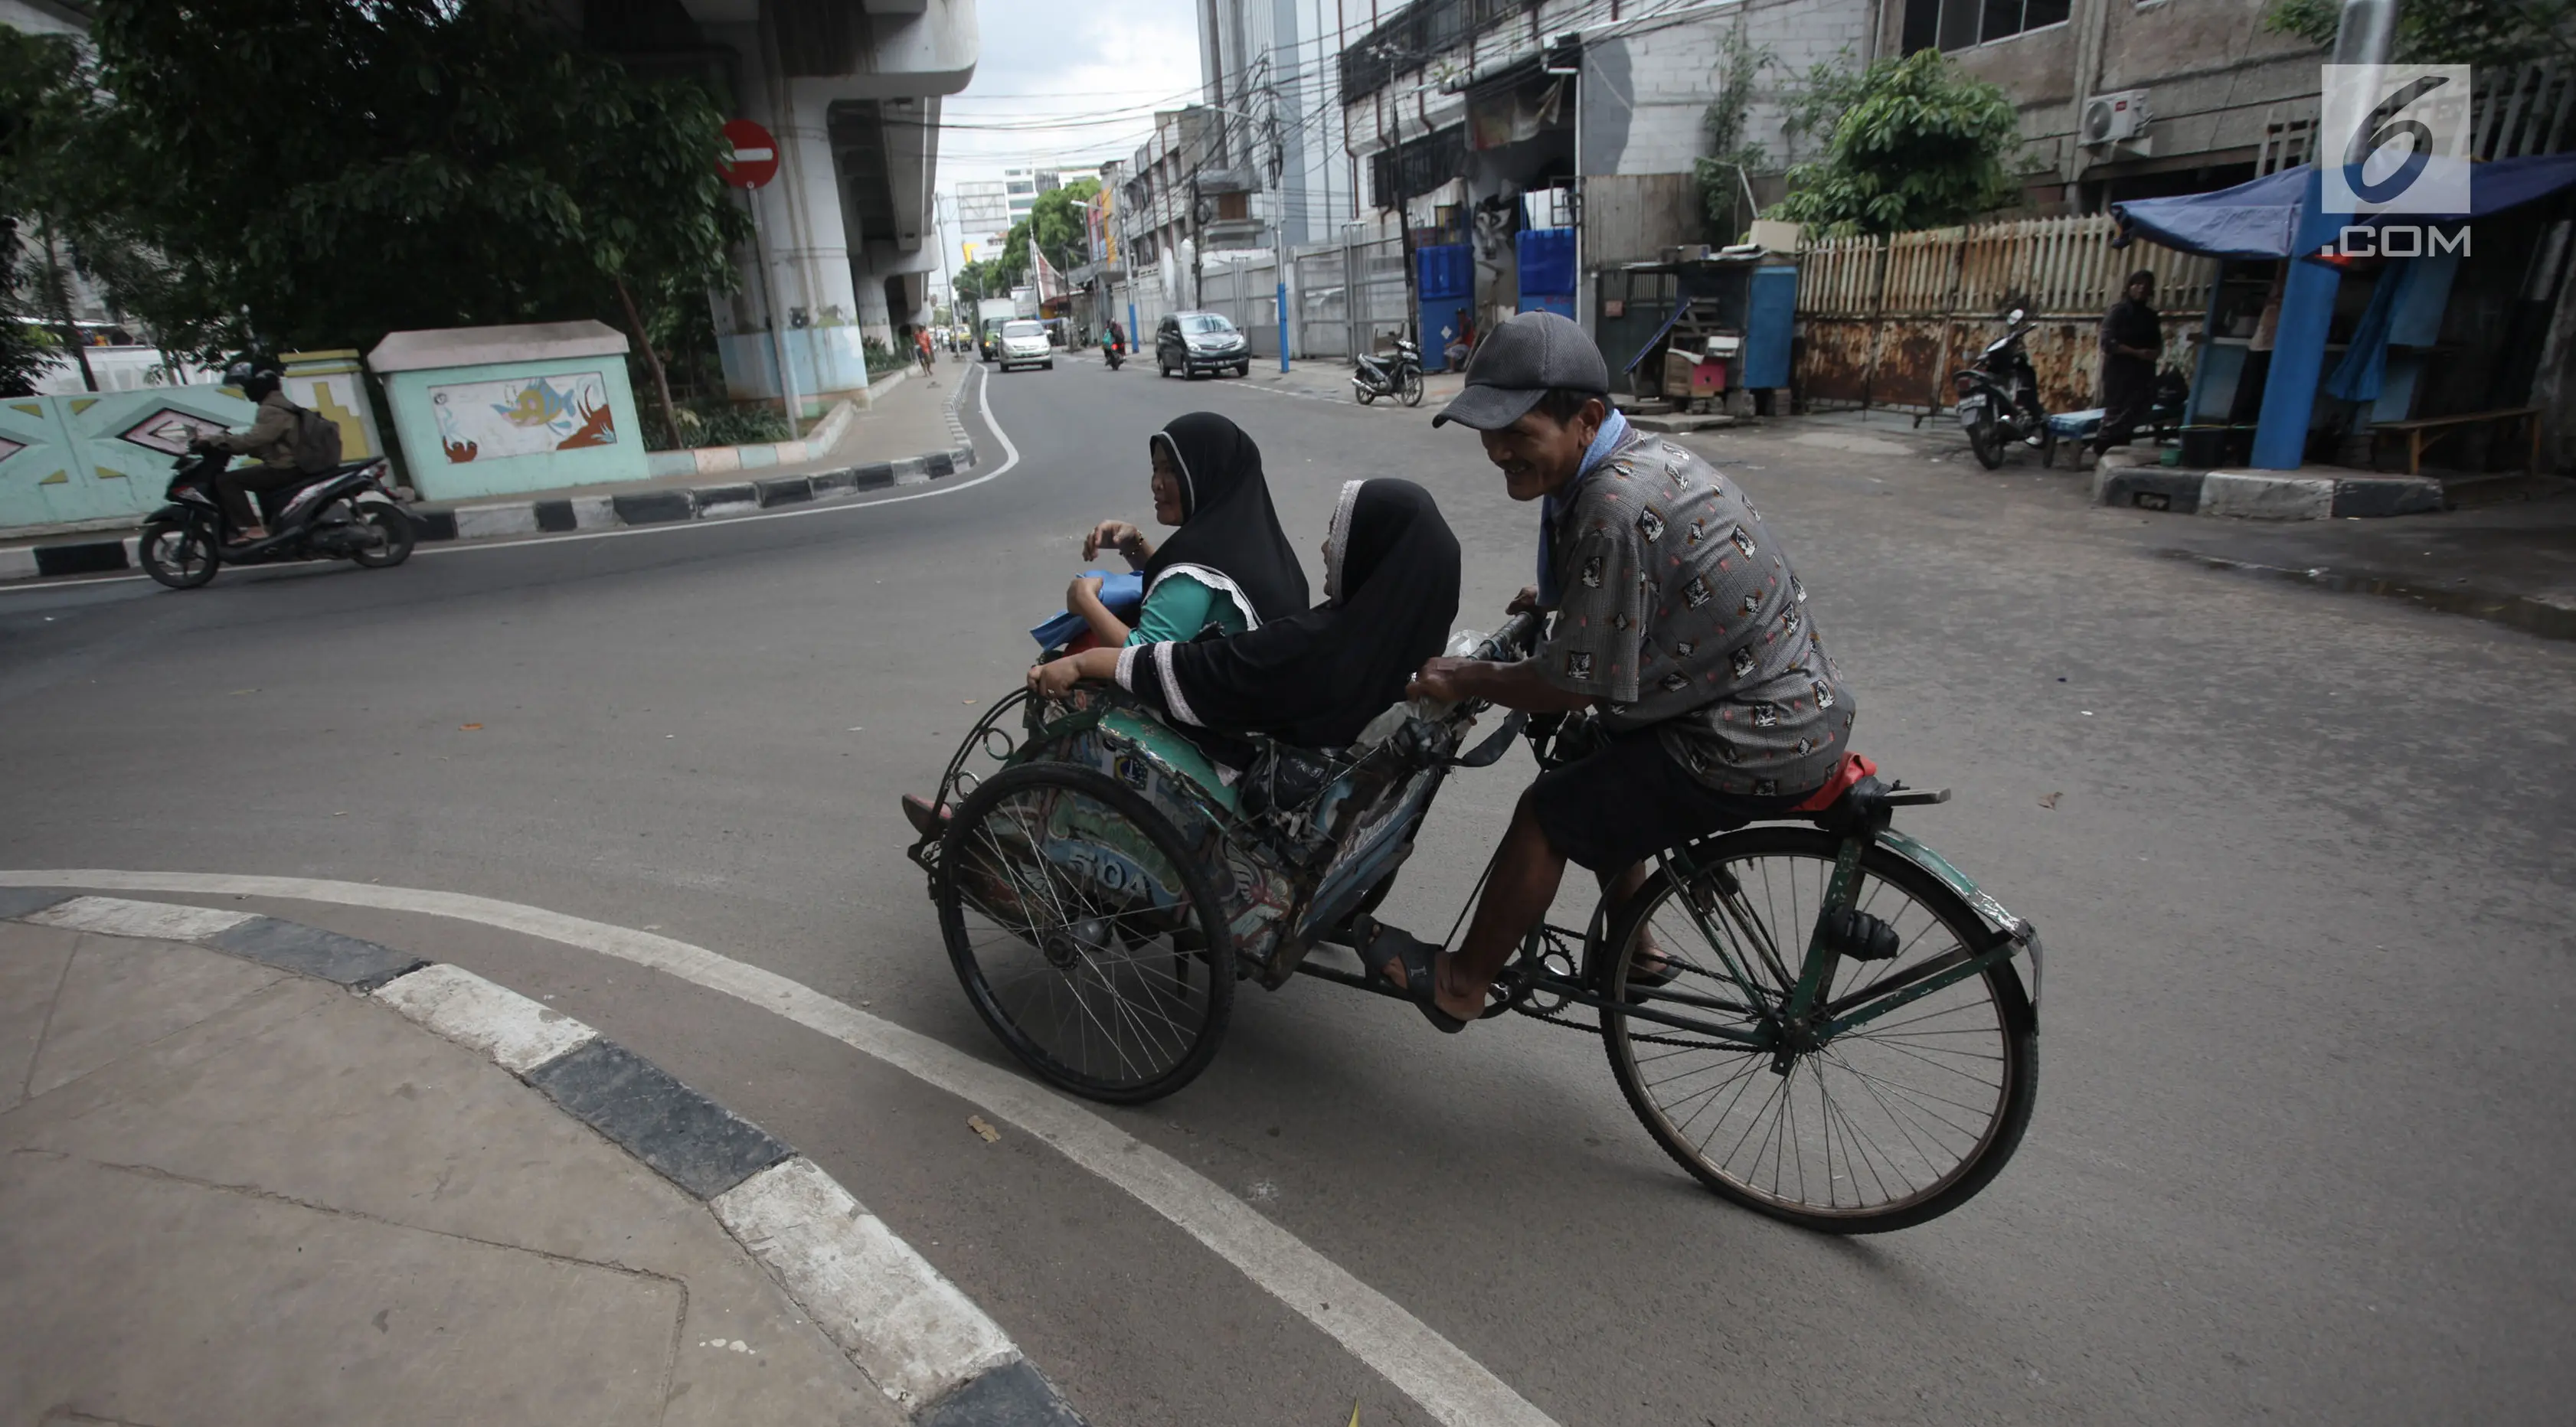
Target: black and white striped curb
920,1339
2260,495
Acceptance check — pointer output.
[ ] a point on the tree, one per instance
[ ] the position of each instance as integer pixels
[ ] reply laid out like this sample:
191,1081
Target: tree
2480,32
1911,143
353,167
43,102
1721,175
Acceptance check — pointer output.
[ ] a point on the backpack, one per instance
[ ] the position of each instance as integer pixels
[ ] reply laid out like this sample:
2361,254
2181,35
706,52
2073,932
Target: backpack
317,442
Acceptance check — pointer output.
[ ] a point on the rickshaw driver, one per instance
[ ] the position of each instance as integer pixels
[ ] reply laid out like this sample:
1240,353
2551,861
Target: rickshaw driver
1677,616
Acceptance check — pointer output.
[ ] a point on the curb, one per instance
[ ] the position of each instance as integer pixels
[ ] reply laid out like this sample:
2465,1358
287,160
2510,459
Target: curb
565,514
2254,495
916,1335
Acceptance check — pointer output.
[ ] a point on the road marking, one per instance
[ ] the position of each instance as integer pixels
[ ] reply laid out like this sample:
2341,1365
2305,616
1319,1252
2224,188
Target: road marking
1453,1387
983,403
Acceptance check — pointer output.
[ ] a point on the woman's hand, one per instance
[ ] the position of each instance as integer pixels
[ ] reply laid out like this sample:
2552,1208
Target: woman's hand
1083,594
1053,681
1126,539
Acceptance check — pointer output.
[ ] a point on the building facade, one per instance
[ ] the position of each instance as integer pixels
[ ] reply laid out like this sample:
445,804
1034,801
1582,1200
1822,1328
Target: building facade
2128,98
1267,72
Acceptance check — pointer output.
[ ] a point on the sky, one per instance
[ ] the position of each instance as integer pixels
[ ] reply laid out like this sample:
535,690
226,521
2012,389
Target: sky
1065,84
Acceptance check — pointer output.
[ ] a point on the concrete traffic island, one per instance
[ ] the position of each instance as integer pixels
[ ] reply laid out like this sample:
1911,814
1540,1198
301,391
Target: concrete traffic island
254,1172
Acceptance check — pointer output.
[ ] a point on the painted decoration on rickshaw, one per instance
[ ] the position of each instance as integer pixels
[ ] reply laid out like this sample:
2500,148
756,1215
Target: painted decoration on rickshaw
523,416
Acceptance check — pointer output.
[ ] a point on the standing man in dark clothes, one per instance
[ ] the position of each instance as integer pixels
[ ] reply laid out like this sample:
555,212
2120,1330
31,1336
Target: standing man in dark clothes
2133,340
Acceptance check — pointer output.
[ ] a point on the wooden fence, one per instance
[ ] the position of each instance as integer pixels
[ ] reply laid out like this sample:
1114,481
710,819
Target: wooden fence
1884,320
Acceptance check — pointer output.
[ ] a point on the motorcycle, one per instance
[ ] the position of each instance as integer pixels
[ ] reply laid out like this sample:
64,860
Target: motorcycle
1109,354
344,513
1999,397
1398,375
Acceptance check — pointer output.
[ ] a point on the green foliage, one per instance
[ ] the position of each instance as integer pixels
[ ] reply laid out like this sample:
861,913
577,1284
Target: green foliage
882,358
349,169
1911,143
2480,32
43,103
1721,175
725,424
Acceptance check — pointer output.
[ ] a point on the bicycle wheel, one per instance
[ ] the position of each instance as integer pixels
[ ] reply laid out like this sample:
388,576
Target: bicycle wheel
1086,935
1886,1125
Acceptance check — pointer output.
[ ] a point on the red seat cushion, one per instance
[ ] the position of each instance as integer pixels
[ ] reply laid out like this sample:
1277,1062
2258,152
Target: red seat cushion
1855,767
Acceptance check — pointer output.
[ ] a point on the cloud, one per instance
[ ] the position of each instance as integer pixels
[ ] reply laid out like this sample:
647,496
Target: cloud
1079,80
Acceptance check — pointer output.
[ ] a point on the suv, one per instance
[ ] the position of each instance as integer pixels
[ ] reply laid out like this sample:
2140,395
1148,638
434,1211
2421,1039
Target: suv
1024,343
1195,342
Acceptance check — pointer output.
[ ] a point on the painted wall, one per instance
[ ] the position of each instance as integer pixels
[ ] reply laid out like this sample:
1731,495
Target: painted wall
504,428
103,455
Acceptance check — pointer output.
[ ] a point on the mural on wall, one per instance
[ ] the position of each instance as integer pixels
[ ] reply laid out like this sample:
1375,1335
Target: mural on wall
168,430
524,416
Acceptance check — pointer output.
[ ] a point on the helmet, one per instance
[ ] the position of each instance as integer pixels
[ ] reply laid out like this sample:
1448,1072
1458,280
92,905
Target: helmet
255,377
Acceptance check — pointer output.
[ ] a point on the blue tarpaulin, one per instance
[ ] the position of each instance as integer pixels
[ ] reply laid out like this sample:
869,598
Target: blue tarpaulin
2261,219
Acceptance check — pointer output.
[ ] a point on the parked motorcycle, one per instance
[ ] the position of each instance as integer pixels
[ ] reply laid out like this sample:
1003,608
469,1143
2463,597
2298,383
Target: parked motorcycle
1398,375
344,513
1999,397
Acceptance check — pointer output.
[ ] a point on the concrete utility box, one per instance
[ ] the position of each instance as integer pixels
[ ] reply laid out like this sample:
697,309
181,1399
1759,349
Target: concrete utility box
499,410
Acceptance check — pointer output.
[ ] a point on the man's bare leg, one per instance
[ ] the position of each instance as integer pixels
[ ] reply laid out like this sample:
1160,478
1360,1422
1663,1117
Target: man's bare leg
1527,873
1523,885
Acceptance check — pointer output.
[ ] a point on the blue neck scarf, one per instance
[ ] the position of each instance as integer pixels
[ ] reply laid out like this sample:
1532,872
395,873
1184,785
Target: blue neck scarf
1553,506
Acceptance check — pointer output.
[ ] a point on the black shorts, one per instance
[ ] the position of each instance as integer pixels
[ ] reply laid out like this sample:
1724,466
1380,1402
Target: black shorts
1629,801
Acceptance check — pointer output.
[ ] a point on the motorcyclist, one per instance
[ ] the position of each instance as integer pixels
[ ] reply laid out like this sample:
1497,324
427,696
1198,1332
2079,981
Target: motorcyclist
271,438
1109,347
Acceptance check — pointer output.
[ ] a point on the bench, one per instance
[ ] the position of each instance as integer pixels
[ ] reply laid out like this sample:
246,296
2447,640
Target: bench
2425,430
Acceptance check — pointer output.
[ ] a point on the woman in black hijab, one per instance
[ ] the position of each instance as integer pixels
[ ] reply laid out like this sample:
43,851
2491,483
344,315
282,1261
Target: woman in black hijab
1229,564
1314,679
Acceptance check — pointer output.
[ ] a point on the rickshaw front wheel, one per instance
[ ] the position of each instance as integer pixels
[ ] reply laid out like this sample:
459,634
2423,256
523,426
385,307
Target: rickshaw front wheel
1086,932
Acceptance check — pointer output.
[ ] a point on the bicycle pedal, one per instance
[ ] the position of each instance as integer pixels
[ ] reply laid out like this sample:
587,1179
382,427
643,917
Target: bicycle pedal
1858,935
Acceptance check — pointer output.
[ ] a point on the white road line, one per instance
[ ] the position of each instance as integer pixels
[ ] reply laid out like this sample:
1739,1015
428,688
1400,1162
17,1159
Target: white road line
1453,1387
1010,458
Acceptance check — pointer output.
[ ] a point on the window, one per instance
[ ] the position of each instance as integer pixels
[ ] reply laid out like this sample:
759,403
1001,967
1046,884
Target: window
1022,329
1962,24
1204,322
1022,186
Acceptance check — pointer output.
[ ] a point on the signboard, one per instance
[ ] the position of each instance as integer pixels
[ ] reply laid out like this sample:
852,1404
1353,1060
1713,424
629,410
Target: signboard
754,160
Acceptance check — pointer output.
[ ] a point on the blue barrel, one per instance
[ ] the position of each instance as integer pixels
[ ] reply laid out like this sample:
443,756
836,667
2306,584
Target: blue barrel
1445,278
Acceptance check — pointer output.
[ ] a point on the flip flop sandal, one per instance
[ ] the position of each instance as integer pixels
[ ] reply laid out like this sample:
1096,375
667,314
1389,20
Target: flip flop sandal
1642,979
1417,955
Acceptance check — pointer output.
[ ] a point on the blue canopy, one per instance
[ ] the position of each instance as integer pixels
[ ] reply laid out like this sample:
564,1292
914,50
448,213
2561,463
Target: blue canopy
2261,219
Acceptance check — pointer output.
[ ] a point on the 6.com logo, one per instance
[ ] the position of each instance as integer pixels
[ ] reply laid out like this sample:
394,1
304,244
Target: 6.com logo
2395,138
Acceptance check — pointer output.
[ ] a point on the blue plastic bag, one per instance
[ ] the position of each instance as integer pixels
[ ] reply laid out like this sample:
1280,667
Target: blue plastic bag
1123,595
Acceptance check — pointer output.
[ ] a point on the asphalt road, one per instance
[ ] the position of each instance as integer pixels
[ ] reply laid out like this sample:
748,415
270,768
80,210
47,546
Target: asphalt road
2303,1146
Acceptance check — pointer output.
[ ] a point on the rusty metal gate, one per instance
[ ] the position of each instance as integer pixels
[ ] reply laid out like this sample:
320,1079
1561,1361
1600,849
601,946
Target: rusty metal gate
1884,321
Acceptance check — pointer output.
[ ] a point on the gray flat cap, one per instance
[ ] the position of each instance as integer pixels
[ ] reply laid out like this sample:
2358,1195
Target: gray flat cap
1521,361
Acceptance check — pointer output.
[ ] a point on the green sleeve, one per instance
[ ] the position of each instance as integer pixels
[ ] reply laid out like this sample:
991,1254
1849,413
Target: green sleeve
1180,607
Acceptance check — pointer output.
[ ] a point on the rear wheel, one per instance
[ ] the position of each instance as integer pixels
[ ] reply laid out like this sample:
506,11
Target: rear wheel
394,524
1408,387
1986,438
178,553
1086,935
1888,1124
1366,393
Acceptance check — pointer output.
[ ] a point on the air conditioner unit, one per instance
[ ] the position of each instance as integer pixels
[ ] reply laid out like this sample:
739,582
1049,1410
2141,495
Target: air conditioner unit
2115,118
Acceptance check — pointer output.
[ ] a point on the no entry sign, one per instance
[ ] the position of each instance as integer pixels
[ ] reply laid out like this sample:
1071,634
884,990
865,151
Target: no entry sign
754,157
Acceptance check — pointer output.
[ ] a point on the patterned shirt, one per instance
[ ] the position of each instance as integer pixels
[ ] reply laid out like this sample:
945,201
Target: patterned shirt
1680,612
